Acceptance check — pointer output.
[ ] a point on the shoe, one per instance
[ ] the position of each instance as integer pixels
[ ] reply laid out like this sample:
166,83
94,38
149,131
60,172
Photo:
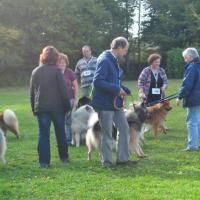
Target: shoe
128,162
44,165
65,160
108,164
187,149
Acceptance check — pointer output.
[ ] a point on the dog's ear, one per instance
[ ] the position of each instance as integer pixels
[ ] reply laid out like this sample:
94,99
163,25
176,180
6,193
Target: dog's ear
134,105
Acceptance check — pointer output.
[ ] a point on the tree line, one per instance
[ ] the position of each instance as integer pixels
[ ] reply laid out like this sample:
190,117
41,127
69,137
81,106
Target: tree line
26,26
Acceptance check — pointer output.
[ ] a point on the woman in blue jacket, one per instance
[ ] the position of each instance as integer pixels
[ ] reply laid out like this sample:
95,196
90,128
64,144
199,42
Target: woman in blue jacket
106,87
190,93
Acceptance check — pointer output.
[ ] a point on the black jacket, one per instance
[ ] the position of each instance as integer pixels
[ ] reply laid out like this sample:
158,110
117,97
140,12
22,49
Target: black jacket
48,90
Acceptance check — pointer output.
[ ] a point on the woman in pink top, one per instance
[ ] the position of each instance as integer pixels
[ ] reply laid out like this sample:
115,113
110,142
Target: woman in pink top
72,91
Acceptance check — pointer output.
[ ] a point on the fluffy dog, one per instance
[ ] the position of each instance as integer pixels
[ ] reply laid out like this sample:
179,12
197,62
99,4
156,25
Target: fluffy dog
135,117
159,113
9,122
93,136
80,123
83,101
2,146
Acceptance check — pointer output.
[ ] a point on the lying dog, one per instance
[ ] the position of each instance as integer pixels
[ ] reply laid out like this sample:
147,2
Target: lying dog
9,122
2,146
80,123
135,117
159,113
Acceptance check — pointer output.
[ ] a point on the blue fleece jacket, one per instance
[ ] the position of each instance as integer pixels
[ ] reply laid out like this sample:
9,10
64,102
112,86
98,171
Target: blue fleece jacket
106,82
190,89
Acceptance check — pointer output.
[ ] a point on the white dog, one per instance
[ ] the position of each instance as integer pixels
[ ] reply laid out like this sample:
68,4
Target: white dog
2,146
8,121
80,123
93,136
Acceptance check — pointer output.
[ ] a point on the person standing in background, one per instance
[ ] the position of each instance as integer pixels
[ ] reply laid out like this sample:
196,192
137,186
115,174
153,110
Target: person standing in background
72,91
152,81
85,69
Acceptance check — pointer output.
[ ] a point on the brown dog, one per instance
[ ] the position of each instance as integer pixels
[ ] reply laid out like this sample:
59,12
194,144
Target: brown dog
158,115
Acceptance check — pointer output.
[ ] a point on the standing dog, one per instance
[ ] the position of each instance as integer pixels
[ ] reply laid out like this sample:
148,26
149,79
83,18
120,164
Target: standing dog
83,101
93,136
80,123
9,122
159,113
135,117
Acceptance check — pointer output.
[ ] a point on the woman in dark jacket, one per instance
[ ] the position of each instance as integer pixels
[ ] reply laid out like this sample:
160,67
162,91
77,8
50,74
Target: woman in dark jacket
49,102
190,93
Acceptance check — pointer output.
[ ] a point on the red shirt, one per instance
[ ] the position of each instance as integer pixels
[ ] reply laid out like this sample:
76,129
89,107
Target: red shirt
69,77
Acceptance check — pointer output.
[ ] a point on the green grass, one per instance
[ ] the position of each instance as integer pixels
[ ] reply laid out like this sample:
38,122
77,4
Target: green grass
166,173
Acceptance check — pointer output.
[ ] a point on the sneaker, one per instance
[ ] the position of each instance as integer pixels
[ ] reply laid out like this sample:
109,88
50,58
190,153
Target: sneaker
128,162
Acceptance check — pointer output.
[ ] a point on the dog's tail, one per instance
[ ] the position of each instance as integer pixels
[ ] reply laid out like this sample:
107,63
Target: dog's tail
93,120
11,121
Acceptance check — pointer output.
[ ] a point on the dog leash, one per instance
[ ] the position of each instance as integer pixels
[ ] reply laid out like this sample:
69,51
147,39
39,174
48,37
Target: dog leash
167,98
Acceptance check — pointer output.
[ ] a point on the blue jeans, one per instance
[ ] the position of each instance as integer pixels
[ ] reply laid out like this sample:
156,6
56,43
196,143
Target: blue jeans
193,125
44,122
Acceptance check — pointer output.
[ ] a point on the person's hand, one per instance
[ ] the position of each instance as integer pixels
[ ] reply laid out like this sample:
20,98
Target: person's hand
122,93
142,96
163,89
177,102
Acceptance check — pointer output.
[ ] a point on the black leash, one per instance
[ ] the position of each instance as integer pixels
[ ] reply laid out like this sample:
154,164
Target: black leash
168,98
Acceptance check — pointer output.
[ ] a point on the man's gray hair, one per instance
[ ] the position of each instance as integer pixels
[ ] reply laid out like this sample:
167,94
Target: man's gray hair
191,52
119,42
86,46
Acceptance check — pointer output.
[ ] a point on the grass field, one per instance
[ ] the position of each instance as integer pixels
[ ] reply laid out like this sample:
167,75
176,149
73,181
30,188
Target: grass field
166,173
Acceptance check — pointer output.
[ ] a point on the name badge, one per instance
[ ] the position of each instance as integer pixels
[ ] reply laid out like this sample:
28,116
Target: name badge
87,73
155,90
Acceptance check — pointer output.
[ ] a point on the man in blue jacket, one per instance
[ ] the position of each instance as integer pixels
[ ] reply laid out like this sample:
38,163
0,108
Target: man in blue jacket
106,86
190,93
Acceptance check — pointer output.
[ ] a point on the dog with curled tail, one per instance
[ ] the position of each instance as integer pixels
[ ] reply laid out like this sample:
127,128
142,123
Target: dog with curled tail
9,122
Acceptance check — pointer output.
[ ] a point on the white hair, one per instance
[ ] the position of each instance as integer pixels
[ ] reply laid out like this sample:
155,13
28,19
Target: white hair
192,52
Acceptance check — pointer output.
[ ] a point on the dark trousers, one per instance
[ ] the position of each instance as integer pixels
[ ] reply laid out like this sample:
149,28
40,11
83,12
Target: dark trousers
44,122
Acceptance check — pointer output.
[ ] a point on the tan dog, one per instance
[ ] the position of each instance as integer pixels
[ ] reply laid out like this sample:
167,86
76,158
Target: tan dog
158,116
